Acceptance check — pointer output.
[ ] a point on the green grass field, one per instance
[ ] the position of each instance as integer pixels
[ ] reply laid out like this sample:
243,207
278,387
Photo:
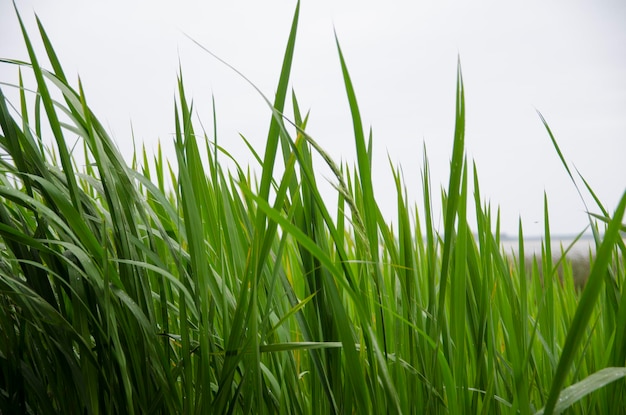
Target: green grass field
149,288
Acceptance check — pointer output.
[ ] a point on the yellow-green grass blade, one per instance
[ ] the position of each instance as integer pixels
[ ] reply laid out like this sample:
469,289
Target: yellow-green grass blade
53,119
452,200
371,214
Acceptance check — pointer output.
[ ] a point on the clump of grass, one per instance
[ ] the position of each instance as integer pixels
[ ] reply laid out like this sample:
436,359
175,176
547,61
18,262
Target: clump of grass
230,294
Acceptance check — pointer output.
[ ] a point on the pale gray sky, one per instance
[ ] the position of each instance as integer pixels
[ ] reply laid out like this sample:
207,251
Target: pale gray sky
566,59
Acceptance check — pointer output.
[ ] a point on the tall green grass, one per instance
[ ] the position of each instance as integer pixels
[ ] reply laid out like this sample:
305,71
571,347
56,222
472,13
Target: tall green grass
157,289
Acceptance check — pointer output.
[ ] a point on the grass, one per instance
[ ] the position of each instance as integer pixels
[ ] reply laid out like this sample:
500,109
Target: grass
157,289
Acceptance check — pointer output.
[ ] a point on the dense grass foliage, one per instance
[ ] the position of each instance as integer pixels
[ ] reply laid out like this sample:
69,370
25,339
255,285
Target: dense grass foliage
190,289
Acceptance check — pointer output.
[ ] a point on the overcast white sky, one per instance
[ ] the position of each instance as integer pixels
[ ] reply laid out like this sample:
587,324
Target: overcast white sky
566,59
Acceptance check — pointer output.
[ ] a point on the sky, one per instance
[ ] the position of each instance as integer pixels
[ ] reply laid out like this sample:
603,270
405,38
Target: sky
566,59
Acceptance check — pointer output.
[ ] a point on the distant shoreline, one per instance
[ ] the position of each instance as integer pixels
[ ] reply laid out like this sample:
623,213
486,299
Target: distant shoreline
553,237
